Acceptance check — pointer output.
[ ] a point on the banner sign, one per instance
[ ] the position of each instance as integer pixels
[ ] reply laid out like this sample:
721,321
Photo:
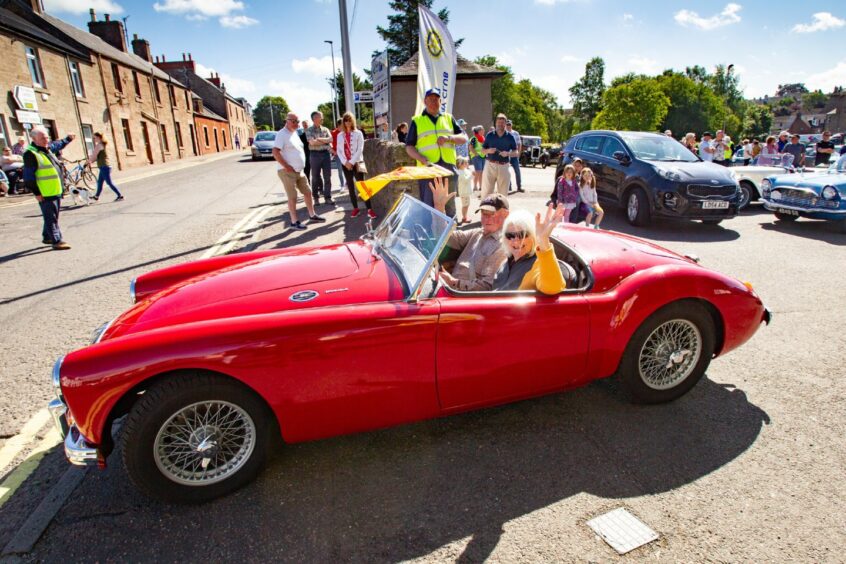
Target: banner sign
363,97
380,74
436,60
25,116
25,98
370,187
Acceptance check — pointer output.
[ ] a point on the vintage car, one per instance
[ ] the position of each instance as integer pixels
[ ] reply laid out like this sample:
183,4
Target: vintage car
219,359
533,153
815,195
750,179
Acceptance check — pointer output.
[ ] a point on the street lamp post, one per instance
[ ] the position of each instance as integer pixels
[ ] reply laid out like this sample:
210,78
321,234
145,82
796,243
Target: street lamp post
345,51
334,86
272,121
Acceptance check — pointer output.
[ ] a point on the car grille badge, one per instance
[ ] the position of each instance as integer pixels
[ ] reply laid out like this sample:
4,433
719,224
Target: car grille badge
303,296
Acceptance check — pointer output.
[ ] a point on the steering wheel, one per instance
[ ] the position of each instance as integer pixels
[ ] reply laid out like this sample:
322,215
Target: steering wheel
418,232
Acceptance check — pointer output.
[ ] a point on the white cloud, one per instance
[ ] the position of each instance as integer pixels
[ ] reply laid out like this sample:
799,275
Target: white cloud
237,22
822,22
77,7
198,10
729,15
828,79
628,17
313,65
301,99
642,65
234,86
569,59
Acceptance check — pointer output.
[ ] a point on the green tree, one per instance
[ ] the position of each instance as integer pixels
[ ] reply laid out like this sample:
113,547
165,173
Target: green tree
814,100
261,112
626,78
726,85
757,121
403,31
587,93
693,105
639,105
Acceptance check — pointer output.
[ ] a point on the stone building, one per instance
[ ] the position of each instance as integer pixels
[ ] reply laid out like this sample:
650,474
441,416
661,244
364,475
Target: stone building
217,103
212,129
472,92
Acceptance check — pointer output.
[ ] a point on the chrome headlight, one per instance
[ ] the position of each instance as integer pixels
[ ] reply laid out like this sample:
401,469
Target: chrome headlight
775,195
132,290
669,174
97,334
57,374
766,186
829,193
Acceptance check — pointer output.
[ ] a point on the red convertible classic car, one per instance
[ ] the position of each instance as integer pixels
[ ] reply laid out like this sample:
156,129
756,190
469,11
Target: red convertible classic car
220,358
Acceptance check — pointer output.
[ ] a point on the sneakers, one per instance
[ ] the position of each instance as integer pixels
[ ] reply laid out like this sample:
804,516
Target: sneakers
95,198
355,212
330,202
317,219
61,246
46,242
298,225
316,200
371,214
119,199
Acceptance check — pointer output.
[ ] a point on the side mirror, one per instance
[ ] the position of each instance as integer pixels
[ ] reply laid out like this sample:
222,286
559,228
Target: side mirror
622,157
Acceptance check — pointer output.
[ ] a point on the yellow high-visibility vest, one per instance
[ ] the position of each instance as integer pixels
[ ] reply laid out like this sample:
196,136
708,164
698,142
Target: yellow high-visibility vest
46,175
427,138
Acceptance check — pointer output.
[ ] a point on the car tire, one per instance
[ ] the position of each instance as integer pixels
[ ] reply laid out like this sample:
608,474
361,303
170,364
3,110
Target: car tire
655,367
162,468
254,158
785,217
747,192
637,207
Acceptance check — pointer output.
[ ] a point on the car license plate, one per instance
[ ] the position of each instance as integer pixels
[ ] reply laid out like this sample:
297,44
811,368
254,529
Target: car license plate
718,205
788,212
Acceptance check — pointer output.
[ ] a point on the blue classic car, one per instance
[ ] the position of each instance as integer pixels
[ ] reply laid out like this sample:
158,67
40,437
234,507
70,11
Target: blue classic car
816,195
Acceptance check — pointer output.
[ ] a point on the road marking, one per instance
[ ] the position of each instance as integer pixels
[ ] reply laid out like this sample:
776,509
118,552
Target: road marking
230,238
25,468
16,444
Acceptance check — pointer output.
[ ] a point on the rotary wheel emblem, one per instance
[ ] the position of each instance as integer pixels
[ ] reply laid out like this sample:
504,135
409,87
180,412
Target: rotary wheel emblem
434,44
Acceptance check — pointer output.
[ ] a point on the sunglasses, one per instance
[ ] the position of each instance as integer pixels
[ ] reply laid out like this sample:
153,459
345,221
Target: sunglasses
295,120
515,235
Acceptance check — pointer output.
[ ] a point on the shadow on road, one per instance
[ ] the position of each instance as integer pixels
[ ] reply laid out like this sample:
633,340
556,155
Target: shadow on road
405,492
810,229
24,253
668,229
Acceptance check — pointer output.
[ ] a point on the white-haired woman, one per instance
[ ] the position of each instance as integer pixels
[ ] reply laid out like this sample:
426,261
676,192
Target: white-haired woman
531,263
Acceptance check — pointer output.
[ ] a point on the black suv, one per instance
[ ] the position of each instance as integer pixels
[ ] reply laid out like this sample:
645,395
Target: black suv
652,174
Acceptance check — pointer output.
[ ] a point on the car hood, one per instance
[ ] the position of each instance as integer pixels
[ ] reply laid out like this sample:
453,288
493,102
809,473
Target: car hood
697,171
263,144
813,180
314,277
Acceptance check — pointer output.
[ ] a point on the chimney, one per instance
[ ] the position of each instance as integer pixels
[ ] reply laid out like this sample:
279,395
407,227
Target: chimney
215,79
168,66
109,31
93,15
141,47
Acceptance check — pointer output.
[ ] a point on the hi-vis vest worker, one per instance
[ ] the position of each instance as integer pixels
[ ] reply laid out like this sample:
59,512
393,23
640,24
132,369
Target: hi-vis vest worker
46,176
427,138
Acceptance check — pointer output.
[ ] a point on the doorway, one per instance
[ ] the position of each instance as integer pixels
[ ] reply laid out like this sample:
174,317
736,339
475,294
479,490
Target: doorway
193,138
146,135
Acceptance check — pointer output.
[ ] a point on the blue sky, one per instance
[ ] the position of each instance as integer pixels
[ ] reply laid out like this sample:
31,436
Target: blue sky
276,47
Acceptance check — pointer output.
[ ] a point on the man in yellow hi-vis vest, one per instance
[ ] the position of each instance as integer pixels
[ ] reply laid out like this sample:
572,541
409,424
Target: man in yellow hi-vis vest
42,177
431,139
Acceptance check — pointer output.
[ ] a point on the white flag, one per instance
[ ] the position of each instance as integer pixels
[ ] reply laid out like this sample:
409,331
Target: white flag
435,60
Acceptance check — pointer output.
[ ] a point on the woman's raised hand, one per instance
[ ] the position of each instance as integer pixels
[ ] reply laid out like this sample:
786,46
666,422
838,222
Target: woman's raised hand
544,227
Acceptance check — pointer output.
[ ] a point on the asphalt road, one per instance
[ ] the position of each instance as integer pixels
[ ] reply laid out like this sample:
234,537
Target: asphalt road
748,466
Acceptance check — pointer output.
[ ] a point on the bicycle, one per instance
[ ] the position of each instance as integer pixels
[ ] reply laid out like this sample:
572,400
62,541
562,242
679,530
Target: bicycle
81,172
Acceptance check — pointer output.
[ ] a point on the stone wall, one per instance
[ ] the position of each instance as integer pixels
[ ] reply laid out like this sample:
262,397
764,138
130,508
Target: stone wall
385,156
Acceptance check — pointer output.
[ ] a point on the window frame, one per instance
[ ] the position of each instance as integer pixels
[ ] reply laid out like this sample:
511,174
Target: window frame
4,133
206,135
36,70
156,93
137,84
76,79
165,142
580,146
89,140
116,78
608,140
127,135
178,129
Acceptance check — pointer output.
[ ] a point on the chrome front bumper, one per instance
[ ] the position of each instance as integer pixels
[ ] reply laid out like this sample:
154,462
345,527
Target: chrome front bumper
77,450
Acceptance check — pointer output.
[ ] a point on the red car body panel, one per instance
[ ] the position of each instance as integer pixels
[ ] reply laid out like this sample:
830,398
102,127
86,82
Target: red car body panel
358,357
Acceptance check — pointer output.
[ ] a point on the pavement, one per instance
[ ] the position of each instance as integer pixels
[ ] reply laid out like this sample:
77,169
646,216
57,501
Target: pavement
745,467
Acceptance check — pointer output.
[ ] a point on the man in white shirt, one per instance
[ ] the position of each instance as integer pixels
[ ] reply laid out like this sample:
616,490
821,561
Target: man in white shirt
289,153
706,148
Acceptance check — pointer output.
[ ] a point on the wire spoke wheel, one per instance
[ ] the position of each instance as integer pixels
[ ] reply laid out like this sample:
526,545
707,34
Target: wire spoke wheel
670,354
204,443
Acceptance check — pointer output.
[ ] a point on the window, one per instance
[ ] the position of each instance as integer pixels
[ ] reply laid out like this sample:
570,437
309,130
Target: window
206,134
178,129
127,134
116,78
136,83
611,146
187,101
223,132
34,65
52,129
88,137
165,143
4,138
76,79
156,91
589,144
172,94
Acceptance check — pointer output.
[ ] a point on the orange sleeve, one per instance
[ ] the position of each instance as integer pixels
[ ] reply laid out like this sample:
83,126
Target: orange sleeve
545,275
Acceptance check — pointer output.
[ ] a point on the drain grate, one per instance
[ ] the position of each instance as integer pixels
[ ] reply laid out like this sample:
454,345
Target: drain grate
622,530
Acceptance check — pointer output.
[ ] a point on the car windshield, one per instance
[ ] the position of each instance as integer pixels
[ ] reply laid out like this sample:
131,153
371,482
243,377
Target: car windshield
531,141
266,136
658,148
411,238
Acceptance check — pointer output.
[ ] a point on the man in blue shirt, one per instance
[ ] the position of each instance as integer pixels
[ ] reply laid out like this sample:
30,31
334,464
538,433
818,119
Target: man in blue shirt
499,147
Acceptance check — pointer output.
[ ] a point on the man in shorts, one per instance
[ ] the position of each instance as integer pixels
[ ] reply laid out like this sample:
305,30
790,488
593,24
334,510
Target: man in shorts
289,152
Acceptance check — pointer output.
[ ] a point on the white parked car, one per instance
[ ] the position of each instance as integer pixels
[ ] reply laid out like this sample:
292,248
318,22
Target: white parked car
750,177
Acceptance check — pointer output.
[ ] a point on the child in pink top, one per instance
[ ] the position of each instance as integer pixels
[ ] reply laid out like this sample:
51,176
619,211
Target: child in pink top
567,192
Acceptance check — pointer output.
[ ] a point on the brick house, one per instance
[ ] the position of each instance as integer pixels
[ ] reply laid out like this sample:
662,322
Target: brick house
211,129
216,104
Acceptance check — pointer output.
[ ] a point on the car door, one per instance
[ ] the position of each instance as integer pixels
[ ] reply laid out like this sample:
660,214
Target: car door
591,150
502,347
613,171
